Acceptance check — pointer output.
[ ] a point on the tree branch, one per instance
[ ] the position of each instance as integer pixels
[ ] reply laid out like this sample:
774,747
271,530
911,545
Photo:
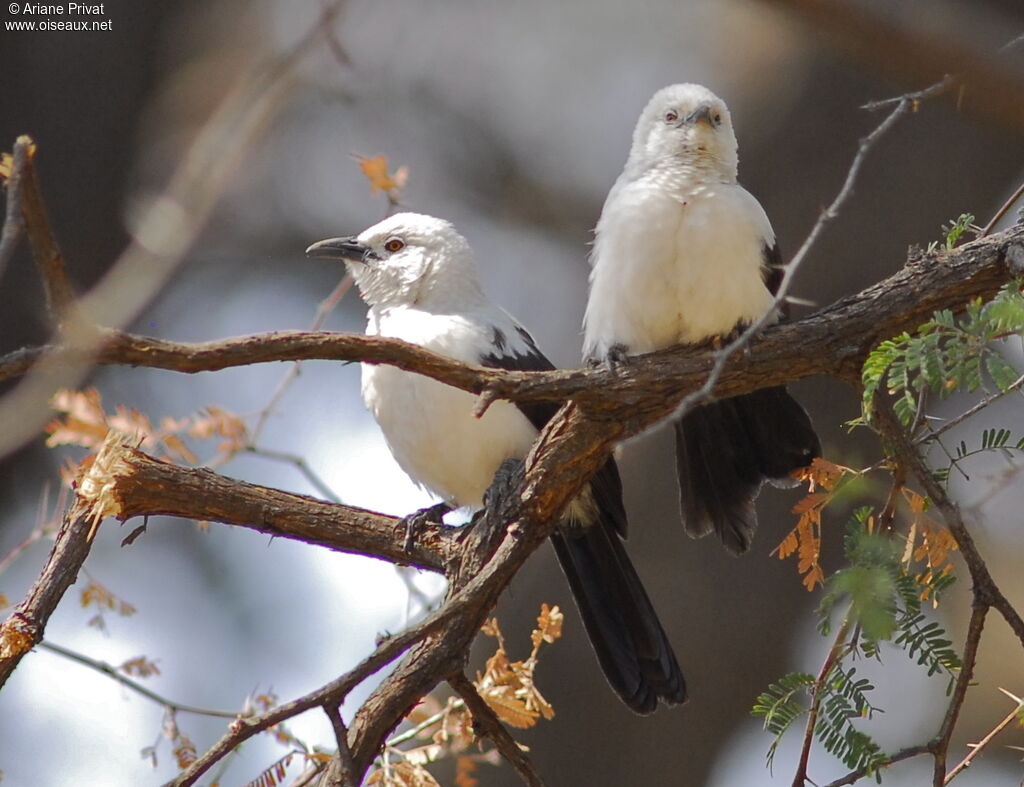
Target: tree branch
904,451
491,726
60,295
144,486
833,341
112,672
24,627
940,745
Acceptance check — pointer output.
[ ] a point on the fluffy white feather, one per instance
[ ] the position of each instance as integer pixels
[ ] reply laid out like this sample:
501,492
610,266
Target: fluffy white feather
679,247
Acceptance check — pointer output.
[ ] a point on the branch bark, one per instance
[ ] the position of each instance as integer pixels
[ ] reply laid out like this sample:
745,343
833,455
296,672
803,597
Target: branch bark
832,341
491,726
24,627
145,486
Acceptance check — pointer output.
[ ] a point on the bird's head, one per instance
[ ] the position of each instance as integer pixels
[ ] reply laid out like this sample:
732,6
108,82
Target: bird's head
407,259
689,126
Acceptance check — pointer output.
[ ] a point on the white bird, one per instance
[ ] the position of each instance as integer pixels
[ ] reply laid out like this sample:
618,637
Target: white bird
419,278
682,255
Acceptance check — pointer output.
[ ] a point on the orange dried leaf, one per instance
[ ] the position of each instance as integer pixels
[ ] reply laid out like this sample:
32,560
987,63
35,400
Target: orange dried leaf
464,768
549,625
811,502
95,593
787,546
6,165
185,752
509,708
375,169
814,577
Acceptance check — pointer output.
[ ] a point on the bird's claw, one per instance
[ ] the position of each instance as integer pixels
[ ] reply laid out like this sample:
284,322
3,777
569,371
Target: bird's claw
616,358
432,515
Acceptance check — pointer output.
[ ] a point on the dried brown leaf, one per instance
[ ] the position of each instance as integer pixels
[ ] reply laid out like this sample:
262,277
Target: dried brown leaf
464,769
509,708
140,666
375,168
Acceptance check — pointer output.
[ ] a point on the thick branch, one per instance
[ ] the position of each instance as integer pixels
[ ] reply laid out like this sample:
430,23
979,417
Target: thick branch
568,452
833,341
148,487
24,628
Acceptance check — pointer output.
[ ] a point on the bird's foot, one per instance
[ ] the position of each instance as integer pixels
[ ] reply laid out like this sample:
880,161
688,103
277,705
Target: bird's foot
432,515
616,358
505,477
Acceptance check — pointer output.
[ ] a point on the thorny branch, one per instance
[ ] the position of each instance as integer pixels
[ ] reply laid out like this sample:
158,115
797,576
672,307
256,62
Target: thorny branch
842,335
605,409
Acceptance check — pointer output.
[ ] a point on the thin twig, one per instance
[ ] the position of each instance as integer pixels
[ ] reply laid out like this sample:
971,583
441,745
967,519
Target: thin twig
834,655
934,434
412,732
336,690
940,744
14,222
323,309
60,296
489,723
301,465
977,748
1002,211
984,586
112,672
903,754
346,771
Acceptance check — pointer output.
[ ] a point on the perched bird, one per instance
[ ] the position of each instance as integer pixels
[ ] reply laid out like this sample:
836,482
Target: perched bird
682,255
419,278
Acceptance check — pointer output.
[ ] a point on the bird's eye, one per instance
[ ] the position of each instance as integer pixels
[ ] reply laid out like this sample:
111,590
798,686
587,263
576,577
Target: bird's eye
394,245
671,116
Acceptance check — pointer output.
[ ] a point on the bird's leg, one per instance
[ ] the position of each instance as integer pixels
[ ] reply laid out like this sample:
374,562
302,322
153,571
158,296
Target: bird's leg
616,358
431,515
504,481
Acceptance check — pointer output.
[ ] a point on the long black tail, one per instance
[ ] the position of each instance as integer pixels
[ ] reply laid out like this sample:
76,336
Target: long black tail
624,629
725,451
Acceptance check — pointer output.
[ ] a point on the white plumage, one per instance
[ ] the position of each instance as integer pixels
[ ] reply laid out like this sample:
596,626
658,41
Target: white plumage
679,247
683,254
430,427
418,276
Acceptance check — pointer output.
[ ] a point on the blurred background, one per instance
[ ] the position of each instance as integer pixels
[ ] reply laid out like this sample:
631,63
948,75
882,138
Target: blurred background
513,120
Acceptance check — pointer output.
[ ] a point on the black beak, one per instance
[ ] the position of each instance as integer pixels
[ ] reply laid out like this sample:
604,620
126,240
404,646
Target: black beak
702,114
348,249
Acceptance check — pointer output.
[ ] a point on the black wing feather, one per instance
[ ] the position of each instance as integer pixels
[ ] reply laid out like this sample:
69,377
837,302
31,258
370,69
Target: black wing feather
631,646
727,449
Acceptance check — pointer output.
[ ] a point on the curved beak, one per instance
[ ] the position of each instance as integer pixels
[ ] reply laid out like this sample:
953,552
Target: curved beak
347,249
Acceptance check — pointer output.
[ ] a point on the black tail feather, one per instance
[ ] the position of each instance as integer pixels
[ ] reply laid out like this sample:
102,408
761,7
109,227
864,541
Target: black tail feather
725,451
630,643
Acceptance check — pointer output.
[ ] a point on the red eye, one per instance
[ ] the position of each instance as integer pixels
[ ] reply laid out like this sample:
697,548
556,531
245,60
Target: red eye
394,245
671,116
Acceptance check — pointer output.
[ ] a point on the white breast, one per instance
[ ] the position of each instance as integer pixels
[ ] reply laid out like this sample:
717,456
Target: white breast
429,426
671,268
